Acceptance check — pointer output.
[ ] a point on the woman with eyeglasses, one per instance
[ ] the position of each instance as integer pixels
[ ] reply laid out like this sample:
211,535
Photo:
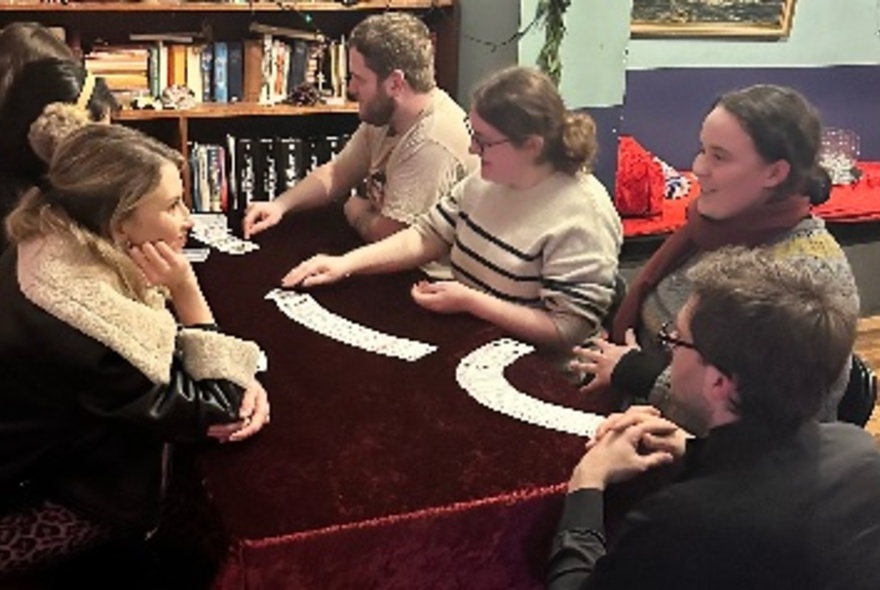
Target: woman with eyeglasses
758,172
533,238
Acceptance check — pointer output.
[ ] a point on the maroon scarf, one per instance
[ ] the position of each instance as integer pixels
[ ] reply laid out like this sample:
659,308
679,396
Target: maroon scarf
700,234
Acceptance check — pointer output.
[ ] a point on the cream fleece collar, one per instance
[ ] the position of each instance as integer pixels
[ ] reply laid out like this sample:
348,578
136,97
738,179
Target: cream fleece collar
72,285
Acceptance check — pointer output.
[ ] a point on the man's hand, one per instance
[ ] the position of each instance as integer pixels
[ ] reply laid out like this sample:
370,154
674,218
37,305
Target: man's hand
442,296
317,270
663,435
600,359
260,216
625,445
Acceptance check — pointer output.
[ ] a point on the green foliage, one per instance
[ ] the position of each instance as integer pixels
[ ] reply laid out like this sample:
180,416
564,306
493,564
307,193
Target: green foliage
550,15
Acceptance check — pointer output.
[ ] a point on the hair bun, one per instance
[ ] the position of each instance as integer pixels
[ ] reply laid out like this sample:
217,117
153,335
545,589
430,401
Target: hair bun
57,122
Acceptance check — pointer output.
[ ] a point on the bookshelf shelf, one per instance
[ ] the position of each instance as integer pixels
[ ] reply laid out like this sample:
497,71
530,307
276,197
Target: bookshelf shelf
161,6
244,109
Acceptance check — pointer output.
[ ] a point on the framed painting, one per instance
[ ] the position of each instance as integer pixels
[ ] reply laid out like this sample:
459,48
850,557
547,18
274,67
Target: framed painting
750,19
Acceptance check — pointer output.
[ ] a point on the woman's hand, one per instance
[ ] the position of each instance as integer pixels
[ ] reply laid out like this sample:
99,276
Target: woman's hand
442,296
254,414
600,358
317,270
162,265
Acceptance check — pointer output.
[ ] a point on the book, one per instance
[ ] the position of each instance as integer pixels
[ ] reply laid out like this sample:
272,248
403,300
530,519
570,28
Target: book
252,58
298,61
177,64
232,172
286,32
162,57
245,171
207,74
279,69
291,161
221,60
194,79
235,71
267,169
165,37
155,81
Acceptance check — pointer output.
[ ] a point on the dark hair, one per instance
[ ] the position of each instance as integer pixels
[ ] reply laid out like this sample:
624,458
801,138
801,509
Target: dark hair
521,102
396,41
22,43
783,336
783,125
40,84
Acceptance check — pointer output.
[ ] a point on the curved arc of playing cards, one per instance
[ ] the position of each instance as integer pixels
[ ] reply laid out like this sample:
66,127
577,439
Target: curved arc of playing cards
481,374
305,310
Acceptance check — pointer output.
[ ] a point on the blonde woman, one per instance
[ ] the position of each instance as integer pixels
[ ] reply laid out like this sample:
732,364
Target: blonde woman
110,350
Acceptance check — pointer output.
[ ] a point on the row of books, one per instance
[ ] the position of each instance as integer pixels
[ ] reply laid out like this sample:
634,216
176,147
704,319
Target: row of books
246,169
265,69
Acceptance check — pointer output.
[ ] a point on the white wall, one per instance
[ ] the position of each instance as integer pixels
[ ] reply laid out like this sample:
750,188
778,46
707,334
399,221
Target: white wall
593,51
485,41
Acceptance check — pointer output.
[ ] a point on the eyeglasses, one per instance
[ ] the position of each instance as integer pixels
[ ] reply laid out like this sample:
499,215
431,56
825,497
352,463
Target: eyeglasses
482,145
668,338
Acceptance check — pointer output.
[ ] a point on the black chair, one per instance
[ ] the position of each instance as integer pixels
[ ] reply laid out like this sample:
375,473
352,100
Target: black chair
860,396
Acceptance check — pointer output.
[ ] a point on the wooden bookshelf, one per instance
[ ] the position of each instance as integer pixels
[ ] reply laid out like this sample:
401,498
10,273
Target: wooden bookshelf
91,24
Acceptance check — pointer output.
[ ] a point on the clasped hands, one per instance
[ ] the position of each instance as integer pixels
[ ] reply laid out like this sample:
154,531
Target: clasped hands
627,444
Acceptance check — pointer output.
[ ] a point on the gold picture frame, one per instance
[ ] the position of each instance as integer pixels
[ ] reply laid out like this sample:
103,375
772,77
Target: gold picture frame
748,19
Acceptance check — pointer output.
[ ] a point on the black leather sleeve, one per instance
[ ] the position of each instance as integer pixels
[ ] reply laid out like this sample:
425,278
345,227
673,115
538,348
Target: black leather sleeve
180,411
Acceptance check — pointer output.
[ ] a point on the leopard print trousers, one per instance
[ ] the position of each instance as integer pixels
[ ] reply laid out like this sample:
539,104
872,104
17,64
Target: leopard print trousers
44,534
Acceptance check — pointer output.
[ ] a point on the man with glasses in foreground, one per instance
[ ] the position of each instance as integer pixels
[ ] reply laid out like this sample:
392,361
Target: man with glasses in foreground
765,496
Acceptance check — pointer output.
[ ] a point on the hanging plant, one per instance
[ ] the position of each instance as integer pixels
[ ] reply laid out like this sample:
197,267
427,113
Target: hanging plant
550,15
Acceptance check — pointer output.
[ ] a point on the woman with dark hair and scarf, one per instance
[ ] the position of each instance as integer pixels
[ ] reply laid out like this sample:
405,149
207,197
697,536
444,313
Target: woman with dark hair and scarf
759,175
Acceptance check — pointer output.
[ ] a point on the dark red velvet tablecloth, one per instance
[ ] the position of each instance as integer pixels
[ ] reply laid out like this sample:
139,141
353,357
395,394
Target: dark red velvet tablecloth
377,472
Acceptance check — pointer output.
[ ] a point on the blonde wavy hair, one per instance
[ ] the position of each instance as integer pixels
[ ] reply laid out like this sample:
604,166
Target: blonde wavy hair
98,175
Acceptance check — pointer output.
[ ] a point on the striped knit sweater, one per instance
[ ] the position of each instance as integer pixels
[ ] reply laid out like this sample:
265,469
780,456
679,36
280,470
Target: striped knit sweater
553,246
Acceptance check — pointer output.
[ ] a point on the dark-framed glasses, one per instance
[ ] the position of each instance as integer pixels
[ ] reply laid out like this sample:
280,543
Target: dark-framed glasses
482,144
668,338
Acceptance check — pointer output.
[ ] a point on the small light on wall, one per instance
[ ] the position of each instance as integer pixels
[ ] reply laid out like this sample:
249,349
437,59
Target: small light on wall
838,155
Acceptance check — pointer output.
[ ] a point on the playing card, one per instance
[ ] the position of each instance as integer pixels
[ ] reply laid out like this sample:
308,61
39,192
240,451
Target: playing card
303,309
481,374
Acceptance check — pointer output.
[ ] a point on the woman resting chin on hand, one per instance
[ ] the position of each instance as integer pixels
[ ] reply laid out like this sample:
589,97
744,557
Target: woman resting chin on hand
84,296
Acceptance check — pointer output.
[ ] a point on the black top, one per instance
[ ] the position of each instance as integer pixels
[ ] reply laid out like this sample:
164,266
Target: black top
753,508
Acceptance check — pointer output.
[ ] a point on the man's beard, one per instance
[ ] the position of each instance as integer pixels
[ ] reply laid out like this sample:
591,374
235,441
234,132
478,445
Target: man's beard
379,111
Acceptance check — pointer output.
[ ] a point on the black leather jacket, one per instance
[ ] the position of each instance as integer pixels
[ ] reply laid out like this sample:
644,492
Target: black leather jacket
81,425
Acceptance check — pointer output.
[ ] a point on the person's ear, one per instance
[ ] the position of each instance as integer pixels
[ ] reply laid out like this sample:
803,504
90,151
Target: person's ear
119,235
720,387
396,82
535,144
777,173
